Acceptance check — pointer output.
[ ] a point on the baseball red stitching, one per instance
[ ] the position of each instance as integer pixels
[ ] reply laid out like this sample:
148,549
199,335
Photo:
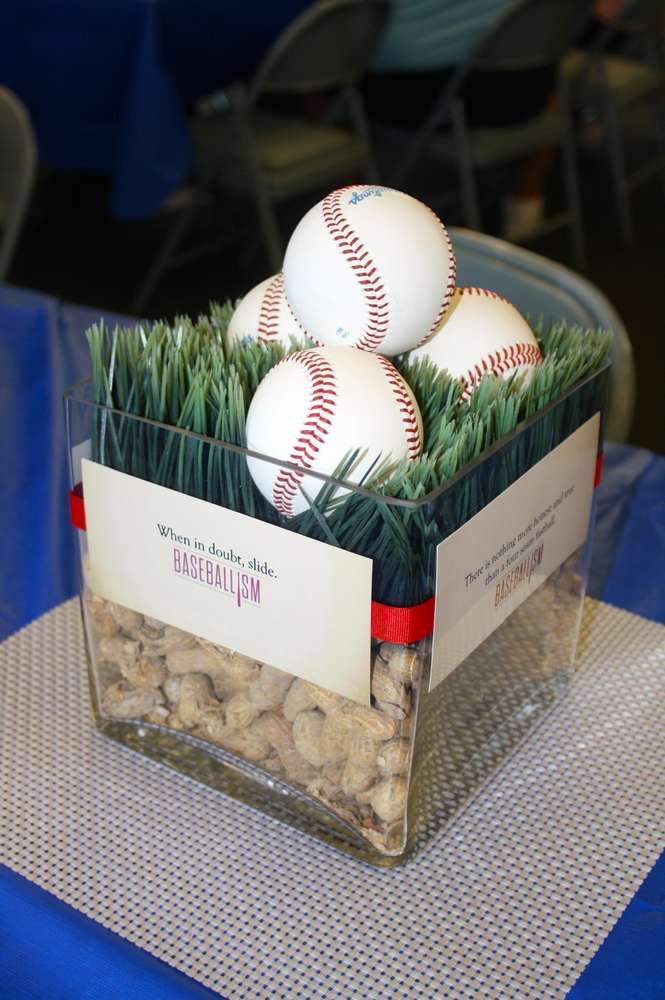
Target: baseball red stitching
271,301
406,408
450,284
268,324
316,425
484,292
364,268
497,362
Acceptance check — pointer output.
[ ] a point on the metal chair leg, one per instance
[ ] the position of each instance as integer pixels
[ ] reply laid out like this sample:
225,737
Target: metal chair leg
572,184
357,114
656,109
264,206
618,168
161,262
465,167
269,227
572,181
413,153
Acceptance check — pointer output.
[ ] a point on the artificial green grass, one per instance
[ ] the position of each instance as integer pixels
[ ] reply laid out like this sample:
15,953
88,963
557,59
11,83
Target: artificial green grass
183,375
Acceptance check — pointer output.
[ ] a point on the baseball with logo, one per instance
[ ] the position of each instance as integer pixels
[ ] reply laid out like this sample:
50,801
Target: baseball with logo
369,267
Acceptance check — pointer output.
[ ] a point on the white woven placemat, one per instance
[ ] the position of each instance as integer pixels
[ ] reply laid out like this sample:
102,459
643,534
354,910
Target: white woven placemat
511,902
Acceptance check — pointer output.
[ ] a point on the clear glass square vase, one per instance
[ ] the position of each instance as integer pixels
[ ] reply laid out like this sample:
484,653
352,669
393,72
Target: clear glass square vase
379,781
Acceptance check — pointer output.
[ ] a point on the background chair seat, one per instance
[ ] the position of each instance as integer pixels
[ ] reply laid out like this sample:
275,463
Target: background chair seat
495,146
289,150
627,79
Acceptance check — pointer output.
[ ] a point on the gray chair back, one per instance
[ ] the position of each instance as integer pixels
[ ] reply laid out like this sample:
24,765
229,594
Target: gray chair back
539,287
530,34
18,165
327,47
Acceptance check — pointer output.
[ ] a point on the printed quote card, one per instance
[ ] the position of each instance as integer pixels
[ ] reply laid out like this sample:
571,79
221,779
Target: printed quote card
269,593
498,558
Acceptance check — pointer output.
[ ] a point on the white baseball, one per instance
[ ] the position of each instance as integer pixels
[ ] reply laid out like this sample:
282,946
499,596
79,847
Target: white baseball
369,267
482,333
264,315
318,406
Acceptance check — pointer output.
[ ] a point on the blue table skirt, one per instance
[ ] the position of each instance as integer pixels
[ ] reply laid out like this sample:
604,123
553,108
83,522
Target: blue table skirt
107,82
630,964
49,951
42,351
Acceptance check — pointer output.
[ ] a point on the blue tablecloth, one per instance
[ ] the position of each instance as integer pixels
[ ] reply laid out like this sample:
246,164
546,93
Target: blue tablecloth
42,351
107,82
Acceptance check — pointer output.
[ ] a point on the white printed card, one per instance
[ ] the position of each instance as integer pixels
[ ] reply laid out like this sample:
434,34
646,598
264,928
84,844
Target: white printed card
499,557
293,602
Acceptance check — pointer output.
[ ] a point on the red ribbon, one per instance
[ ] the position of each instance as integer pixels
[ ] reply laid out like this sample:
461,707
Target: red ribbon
393,624
77,507
599,469
389,623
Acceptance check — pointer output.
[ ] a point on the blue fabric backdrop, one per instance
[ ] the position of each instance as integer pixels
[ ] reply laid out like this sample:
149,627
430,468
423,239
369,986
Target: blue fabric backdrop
107,82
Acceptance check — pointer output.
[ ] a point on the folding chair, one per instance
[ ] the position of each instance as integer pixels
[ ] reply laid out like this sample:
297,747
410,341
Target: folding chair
18,166
530,34
274,157
606,86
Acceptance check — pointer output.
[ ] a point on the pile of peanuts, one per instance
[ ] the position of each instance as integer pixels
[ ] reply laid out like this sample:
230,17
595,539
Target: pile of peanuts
353,758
